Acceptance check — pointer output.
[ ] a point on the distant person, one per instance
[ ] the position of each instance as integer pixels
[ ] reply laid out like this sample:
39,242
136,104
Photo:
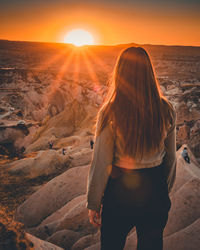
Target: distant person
21,152
63,151
185,155
91,144
134,160
51,144
22,149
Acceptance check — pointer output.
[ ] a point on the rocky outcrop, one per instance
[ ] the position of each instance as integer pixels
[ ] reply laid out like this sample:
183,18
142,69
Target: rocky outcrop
52,196
185,207
86,241
65,102
45,163
187,238
94,247
67,95
71,219
42,245
185,196
185,99
64,238
63,210
61,125
76,220
83,157
71,216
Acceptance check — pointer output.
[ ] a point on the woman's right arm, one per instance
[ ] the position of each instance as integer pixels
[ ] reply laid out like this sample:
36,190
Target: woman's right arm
100,168
170,156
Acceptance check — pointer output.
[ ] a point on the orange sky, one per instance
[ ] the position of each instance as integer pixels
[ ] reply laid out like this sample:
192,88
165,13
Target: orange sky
108,24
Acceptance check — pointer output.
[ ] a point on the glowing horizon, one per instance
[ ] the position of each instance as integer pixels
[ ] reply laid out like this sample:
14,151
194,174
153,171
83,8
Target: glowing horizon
117,22
79,37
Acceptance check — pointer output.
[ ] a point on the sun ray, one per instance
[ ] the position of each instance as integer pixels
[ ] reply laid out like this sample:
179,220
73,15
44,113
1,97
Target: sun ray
91,72
52,60
60,74
76,67
64,67
96,59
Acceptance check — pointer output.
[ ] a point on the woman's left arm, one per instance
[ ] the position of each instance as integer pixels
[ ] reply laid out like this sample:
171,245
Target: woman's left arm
100,168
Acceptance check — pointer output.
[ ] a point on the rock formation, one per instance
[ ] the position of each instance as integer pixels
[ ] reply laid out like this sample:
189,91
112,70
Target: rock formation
70,221
53,196
42,101
42,245
46,162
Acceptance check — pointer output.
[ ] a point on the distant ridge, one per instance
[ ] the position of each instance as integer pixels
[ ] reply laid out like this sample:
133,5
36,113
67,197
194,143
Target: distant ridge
121,45
38,55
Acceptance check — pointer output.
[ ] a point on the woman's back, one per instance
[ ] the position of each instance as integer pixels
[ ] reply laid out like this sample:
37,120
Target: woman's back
148,160
134,161
135,127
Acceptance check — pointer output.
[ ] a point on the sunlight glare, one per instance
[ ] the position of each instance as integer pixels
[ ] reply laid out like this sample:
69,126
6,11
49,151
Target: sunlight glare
79,38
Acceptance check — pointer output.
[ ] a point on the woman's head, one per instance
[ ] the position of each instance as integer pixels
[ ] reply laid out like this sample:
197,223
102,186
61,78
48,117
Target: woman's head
134,77
135,103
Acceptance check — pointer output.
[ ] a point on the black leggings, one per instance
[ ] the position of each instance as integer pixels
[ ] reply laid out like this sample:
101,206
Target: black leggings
135,198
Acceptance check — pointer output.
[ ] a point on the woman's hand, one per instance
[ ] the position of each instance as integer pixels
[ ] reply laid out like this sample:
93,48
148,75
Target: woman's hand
94,218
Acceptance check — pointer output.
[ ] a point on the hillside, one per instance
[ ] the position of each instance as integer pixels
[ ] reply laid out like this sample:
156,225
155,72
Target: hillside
51,93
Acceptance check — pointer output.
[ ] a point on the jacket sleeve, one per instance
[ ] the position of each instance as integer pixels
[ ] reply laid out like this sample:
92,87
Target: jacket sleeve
170,156
100,168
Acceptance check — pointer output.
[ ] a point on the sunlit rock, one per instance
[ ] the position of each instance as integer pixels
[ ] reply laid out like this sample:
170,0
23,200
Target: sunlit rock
186,238
42,245
52,196
86,241
64,210
77,220
45,163
61,125
64,238
94,247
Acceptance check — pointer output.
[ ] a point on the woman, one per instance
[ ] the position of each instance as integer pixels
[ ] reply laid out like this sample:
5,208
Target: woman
134,161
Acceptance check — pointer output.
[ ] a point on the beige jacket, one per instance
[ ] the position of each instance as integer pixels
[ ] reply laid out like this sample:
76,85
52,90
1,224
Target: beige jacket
108,152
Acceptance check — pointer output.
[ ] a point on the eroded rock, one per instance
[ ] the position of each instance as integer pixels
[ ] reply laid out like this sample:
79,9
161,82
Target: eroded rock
45,163
64,238
42,245
52,196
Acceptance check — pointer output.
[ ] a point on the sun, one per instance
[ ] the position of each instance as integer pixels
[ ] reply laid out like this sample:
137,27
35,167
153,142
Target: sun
79,37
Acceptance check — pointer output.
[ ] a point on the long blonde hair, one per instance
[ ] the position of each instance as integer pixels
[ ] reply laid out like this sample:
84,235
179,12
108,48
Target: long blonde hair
135,104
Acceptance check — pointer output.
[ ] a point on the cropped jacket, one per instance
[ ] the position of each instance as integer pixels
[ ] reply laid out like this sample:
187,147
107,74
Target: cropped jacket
108,151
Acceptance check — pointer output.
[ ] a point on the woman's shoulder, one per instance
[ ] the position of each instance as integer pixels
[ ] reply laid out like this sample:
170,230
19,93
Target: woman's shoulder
103,122
169,108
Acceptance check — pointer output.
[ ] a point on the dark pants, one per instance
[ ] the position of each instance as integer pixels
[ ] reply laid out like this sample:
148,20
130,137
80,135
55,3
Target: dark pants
187,159
135,198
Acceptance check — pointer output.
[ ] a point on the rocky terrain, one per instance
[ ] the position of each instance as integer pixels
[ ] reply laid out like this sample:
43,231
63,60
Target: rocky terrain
50,93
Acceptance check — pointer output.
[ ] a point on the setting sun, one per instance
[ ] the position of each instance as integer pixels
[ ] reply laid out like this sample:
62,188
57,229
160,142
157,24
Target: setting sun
79,37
